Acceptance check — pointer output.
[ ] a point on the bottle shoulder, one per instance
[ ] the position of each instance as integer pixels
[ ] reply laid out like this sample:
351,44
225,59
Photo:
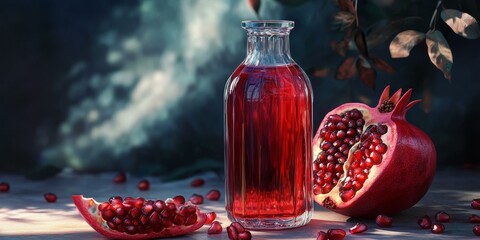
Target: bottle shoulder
271,79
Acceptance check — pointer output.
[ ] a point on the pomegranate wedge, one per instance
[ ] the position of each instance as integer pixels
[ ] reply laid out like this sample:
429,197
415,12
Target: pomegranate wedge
137,218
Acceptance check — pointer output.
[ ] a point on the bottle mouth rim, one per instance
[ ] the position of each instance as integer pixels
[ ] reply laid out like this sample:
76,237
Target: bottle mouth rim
268,24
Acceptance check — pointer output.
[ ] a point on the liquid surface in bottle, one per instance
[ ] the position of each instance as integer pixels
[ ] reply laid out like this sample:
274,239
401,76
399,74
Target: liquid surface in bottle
267,141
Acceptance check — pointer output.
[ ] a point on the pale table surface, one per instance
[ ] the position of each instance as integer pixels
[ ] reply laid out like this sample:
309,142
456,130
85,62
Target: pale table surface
24,214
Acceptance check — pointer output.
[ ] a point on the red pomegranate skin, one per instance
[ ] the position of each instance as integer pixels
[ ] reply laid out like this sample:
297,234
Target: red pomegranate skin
405,173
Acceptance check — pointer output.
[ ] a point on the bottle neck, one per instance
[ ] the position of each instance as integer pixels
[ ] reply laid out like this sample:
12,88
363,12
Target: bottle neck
268,48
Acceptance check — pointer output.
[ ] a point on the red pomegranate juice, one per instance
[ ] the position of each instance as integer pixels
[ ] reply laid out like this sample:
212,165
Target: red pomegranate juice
268,133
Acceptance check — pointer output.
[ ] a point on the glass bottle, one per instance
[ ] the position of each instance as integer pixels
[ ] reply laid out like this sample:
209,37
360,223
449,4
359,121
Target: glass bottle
268,133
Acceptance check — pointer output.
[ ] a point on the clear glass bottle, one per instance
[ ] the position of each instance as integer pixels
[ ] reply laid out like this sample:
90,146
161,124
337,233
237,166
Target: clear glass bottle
268,133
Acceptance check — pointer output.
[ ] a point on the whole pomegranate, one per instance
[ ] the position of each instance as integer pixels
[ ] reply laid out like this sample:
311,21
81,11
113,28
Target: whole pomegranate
370,161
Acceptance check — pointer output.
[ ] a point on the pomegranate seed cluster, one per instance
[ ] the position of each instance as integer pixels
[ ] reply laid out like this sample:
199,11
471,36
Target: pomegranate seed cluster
386,106
339,134
137,215
369,152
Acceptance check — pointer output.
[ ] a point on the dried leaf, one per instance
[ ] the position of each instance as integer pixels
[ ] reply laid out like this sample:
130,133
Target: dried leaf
381,31
346,69
427,100
342,46
403,43
361,43
319,72
366,73
382,65
344,19
365,99
254,4
346,5
440,53
461,23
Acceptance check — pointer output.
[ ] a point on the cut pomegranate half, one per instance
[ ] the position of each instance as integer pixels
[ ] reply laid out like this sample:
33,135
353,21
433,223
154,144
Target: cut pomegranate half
367,159
139,218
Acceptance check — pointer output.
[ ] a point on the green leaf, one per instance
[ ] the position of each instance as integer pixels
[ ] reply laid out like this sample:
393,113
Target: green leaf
440,53
319,72
403,43
346,69
461,23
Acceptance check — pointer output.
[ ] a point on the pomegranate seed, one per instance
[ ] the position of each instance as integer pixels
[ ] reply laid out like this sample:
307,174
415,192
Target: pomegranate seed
476,203
159,205
179,199
322,235
213,195
210,217
238,227
347,195
4,187
476,230
215,228
198,182
245,235
237,231
381,148
358,228
120,178
384,221
192,219
232,233
115,200
120,212
108,214
474,218
143,185
104,206
425,222
196,199
442,217
438,228
147,209
50,197
335,234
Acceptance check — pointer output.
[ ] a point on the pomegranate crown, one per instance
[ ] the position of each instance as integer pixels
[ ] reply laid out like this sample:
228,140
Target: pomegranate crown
397,104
